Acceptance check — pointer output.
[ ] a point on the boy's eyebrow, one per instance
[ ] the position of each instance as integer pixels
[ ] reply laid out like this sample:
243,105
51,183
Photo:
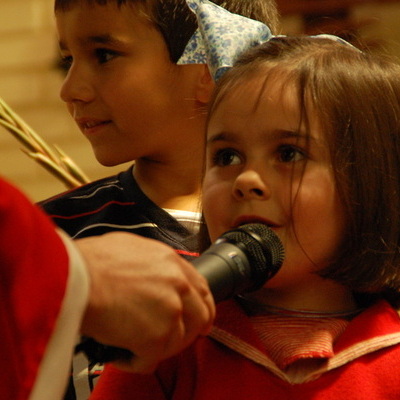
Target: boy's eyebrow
103,39
97,39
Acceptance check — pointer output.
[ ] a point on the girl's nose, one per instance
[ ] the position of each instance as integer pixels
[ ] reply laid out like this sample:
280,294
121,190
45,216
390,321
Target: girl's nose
76,87
249,185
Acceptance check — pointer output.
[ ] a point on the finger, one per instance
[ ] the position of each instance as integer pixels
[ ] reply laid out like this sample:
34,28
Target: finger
166,345
211,312
203,299
200,284
163,337
196,319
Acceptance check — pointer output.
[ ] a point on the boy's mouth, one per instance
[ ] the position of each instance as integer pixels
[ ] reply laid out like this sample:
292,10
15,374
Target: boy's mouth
90,124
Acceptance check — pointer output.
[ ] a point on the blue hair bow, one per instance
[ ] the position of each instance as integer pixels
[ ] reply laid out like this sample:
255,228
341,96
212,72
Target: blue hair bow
223,36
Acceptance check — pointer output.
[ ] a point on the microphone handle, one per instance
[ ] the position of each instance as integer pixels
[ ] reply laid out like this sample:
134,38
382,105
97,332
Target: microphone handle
229,277
225,279
228,272
100,353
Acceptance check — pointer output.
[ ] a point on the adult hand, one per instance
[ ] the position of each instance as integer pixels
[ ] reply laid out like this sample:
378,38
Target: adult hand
144,297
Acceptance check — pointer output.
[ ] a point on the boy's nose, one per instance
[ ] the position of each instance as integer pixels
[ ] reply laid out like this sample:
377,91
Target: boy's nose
76,87
250,185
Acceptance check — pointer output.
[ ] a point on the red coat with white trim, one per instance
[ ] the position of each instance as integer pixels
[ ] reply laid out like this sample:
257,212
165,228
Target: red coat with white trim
33,276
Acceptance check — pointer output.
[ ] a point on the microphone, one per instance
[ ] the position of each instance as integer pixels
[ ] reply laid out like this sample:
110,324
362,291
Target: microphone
240,261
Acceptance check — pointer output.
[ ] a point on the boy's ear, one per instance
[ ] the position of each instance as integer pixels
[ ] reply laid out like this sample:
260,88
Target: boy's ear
205,85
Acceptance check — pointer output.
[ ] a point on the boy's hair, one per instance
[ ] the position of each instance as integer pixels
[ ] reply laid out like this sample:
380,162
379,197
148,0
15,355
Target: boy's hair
177,23
356,98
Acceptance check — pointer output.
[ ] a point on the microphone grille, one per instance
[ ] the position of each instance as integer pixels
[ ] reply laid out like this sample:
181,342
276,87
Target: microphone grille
263,248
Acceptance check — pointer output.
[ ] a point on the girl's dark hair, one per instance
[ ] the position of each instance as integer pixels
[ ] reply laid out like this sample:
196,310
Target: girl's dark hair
177,23
356,97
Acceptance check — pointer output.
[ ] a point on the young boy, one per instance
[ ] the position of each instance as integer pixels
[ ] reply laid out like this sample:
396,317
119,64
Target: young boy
133,102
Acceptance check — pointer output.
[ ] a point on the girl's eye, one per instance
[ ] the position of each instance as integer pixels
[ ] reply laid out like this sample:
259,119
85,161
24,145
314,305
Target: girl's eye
225,157
104,55
289,153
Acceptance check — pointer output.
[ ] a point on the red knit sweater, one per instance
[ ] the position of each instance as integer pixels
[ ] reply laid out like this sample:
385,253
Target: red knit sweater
231,364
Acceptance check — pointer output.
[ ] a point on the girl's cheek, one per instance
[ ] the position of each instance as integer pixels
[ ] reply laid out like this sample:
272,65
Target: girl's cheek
214,210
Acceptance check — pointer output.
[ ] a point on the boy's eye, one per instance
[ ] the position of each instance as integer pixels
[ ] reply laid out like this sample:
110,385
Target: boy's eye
104,55
225,157
65,63
288,153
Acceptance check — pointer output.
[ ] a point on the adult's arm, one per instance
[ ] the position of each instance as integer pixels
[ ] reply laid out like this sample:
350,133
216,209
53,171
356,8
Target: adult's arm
121,289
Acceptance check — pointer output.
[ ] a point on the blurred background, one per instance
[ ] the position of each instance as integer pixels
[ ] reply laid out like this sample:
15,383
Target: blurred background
30,79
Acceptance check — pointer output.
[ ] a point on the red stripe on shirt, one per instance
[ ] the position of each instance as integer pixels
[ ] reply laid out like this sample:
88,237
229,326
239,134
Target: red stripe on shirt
187,253
92,212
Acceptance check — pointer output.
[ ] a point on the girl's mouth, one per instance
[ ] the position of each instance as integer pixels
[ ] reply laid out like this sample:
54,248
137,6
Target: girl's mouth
247,219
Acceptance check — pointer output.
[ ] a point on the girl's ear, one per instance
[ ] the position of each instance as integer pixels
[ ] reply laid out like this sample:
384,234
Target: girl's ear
205,85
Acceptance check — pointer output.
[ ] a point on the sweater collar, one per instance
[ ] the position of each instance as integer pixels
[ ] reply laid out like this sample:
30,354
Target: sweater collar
375,328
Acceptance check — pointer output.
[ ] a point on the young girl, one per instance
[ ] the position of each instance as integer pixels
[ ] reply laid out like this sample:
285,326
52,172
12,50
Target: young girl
304,136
